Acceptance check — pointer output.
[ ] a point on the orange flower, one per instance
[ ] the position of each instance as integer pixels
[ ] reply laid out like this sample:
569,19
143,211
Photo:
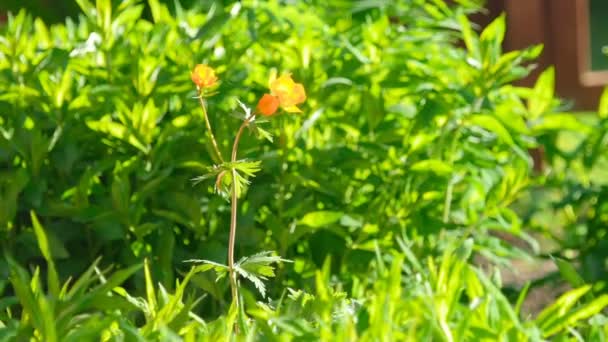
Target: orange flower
288,93
204,76
268,105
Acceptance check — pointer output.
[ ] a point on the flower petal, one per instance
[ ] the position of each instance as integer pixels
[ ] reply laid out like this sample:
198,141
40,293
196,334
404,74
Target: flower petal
292,109
268,105
203,76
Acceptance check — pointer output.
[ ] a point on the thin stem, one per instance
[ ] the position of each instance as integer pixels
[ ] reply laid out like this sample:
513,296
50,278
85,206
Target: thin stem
280,199
232,238
233,212
209,130
235,146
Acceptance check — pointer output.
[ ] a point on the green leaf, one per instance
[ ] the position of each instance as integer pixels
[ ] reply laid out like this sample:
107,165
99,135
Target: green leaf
355,51
602,111
166,247
118,131
150,295
43,244
104,15
568,272
318,219
256,280
258,267
491,40
541,99
206,265
262,133
558,122
159,11
522,297
470,38
84,281
212,26
90,329
29,300
409,254
64,88
573,317
86,7
121,192
436,166
259,263
490,123
248,167
87,300
561,306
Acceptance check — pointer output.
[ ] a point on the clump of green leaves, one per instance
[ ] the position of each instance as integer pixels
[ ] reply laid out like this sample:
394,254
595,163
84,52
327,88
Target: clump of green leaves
573,190
410,145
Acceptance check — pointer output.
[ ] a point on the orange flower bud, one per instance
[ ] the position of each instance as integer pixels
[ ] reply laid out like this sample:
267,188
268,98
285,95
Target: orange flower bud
203,76
268,105
288,92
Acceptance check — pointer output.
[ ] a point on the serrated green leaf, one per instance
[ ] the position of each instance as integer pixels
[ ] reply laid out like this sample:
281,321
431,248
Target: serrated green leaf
206,265
258,267
248,167
256,280
259,264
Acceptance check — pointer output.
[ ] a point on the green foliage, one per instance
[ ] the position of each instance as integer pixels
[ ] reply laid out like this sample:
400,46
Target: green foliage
410,156
576,185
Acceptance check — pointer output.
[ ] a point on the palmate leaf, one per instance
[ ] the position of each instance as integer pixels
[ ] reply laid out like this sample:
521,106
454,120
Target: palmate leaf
223,174
258,267
206,265
248,167
212,171
256,280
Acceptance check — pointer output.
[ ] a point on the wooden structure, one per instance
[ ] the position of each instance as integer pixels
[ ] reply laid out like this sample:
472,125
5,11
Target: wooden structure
566,29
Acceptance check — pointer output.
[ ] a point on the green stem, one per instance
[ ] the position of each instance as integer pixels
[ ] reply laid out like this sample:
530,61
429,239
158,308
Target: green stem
233,212
209,130
284,237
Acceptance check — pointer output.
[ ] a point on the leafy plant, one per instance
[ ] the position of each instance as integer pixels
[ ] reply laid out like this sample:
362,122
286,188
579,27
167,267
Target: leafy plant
576,185
284,93
407,165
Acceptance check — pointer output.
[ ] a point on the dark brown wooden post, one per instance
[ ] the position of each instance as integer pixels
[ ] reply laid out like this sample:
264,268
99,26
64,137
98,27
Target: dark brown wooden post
570,39
527,25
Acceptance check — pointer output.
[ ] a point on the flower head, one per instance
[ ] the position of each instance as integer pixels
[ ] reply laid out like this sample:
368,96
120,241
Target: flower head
204,76
268,105
284,93
288,92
